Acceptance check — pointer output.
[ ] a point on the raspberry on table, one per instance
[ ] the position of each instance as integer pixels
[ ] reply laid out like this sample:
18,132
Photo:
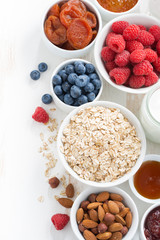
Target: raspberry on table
60,220
158,47
133,45
156,64
40,115
111,34
142,68
151,79
117,43
145,38
120,75
136,81
122,59
119,26
110,65
141,27
107,54
155,31
137,56
131,32
151,55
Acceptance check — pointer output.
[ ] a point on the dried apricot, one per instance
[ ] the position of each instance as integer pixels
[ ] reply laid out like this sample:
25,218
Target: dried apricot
91,19
76,3
67,46
55,31
79,33
68,14
94,34
54,11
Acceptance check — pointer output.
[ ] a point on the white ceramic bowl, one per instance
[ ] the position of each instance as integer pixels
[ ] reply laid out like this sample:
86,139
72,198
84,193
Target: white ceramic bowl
127,201
148,157
143,19
108,15
63,106
142,236
71,53
132,119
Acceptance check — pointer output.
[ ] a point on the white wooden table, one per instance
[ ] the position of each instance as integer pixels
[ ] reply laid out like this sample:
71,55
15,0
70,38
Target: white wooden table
22,167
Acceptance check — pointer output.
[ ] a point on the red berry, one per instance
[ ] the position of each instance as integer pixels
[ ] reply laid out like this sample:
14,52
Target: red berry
136,81
107,54
40,115
142,27
155,31
133,45
142,68
60,220
151,79
137,56
120,75
117,43
110,65
119,26
158,47
111,34
156,64
146,38
151,55
131,32
122,59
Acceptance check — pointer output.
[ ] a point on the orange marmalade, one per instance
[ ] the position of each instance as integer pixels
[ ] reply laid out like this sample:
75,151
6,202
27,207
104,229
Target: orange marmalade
117,5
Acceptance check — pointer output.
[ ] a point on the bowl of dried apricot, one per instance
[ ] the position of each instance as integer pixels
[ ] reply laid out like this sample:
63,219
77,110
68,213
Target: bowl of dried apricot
105,213
69,28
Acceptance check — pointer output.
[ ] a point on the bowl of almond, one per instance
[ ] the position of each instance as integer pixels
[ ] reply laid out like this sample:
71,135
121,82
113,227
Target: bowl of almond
105,213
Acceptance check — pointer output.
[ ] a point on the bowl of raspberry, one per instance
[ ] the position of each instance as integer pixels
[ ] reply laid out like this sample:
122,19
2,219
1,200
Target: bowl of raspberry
127,53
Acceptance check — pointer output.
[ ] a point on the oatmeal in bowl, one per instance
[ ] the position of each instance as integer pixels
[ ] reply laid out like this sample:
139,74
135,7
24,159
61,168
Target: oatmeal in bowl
101,144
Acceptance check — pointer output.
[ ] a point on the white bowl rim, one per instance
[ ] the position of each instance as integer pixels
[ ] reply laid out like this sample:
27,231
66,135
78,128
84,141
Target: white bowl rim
140,132
106,76
151,157
90,190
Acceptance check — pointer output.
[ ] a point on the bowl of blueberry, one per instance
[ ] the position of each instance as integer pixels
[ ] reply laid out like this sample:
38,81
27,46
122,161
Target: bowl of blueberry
75,82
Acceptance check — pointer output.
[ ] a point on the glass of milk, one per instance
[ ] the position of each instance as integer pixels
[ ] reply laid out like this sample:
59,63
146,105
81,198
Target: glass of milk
150,114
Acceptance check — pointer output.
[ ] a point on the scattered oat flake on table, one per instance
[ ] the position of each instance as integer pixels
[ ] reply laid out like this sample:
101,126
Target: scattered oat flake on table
51,164
40,199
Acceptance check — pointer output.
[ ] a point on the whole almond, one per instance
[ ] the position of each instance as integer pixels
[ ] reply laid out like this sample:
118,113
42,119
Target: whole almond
119,219
94,230
93,205
84,205
87,223
116,197
128,219
93,215
92,197
115,227
104,236
70,191
81,228
124,212
120,205
79,215
86,216
65,202
88,235
102,197
113,207
105,207
116,236
101,213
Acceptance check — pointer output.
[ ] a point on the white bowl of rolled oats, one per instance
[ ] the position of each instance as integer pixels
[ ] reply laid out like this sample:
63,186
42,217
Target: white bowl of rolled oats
101,144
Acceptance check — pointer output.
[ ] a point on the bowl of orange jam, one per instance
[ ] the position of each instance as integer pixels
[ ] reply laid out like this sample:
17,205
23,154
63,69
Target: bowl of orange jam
110,9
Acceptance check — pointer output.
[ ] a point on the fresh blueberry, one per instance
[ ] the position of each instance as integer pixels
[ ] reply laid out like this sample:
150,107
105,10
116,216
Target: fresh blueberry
57,80
80,68
75,91
69,68
72,78
35,75
82,100
61,97
89,87
91,96
66,86
68,99
63,75
90,68
82,80
93,76
78,62
47,98
42,67
76,104
96,92
58,90
96,83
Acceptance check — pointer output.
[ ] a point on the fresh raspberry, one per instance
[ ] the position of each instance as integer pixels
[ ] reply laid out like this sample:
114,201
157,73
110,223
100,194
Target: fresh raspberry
156,64
142,27
151,79
122,59
158,47
151,55
155,31
120,75
117,43
136,81
119,26
142,68
137,56
110,65
60,220
131,32
40,115
111,34
133,45
145,38
107,54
